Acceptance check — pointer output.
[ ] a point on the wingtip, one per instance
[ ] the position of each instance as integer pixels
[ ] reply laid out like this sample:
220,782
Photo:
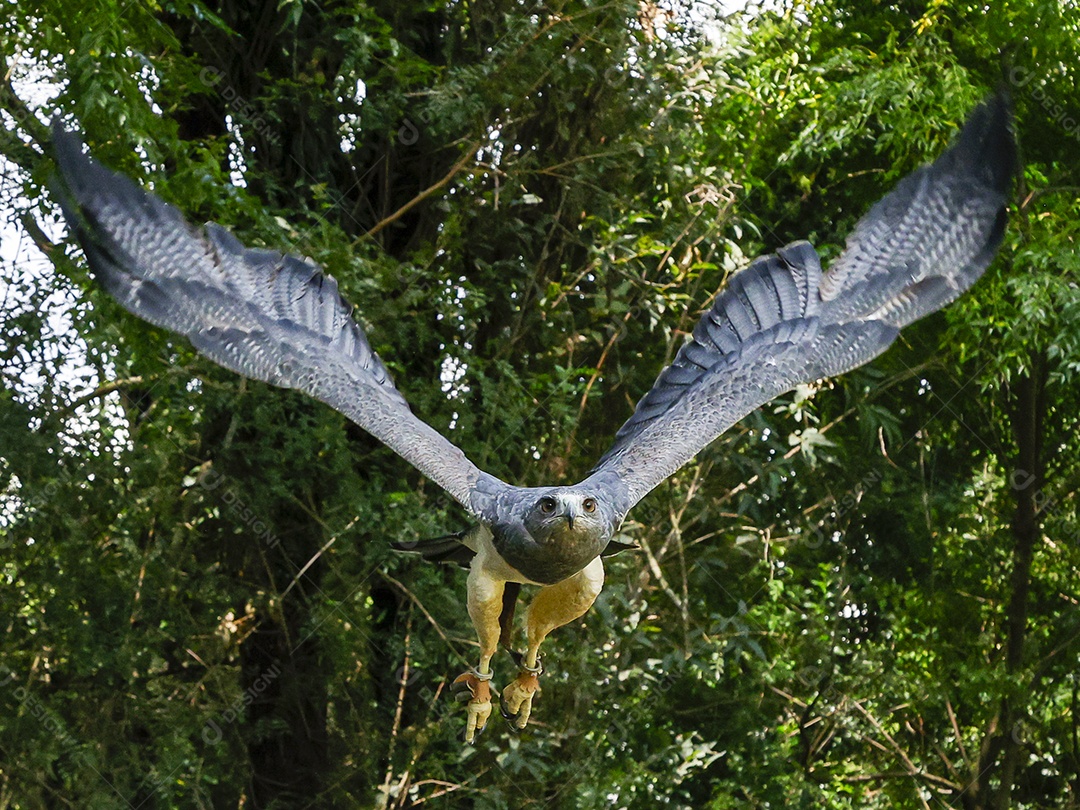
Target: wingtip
77,174
68,155
60,133
67,148
988,140
800,254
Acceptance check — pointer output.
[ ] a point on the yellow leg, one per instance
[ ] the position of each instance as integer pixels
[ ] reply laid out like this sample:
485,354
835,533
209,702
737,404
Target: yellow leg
554,606
485,594
485,604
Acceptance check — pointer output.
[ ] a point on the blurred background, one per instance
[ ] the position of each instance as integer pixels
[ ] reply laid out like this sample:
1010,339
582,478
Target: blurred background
864,596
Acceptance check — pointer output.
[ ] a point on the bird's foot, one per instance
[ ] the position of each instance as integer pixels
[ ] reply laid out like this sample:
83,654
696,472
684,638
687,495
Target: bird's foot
474,690
517,697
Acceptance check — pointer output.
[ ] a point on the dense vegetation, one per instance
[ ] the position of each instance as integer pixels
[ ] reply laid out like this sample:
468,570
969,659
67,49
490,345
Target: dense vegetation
865,596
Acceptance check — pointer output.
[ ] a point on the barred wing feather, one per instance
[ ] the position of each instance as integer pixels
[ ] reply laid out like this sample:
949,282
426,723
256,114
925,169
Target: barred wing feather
782,322
259,313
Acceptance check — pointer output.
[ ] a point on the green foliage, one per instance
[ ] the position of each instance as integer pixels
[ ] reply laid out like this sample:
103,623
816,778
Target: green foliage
863,597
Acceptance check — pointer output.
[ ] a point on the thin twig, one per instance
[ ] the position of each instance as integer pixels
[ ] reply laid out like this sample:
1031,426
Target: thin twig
956,730
906,375
403,682
310,512
592,380
654,566
470,153
308,564
102,390
424,610
912,770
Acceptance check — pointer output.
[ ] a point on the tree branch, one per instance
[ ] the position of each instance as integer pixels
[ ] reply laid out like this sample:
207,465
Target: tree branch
470,154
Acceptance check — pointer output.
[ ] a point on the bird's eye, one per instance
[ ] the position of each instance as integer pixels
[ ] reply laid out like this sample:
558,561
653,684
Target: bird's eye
547,505
589,505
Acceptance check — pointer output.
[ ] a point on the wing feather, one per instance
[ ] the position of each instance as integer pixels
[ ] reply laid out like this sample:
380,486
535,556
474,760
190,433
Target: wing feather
781,321
259,313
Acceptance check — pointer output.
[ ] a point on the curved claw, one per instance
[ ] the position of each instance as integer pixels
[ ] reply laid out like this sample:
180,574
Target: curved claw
516,702
475,691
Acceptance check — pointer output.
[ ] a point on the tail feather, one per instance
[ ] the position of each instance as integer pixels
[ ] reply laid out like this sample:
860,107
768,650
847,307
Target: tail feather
447,549
615,546
506,618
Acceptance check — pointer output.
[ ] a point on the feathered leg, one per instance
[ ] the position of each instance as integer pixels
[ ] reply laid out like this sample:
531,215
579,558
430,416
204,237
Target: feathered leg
485,602
554,606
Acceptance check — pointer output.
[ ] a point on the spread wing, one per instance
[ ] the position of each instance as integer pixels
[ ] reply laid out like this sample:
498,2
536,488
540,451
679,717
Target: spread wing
782,322
256,312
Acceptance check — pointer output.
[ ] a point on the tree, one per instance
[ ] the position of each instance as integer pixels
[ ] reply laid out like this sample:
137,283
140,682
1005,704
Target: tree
862,597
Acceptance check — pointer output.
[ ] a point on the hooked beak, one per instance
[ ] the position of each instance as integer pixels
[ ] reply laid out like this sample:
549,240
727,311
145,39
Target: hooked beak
570,515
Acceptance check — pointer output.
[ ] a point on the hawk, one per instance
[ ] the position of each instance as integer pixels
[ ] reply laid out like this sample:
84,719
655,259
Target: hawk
779,322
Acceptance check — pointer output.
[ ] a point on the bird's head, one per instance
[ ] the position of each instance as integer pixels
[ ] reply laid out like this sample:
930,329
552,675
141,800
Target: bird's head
565,515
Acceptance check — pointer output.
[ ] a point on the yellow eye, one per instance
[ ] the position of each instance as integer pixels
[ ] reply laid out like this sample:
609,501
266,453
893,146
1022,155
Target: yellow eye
589,505
547,505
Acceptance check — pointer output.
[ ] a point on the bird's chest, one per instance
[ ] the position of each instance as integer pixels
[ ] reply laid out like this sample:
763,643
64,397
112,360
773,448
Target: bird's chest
558,557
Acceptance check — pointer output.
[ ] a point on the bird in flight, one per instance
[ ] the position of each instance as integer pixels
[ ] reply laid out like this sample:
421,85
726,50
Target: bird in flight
779,322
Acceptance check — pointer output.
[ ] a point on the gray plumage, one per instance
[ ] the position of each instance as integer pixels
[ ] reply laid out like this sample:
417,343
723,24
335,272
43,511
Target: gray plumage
782,322
266,316
779,322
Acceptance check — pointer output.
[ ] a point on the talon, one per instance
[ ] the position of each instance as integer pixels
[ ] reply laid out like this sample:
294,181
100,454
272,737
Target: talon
515,704
474,690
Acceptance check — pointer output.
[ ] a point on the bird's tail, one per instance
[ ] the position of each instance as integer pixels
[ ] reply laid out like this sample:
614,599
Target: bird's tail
446,549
